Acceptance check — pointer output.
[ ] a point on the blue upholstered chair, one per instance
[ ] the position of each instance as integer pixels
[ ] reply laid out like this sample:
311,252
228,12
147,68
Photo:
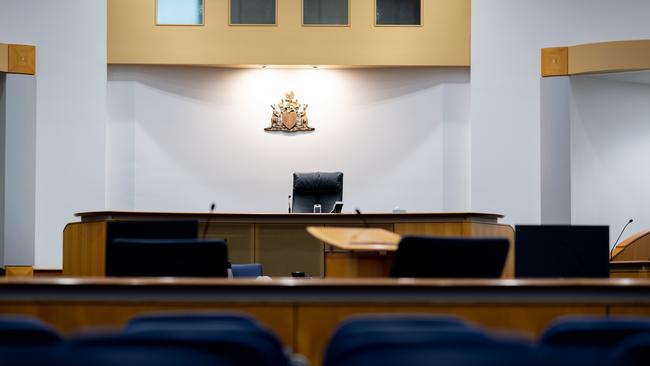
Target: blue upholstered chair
207,319
17,329
251,270
404,339
633,351
593,331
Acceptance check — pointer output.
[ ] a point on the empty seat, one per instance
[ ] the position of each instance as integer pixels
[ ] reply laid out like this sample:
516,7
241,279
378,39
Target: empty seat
434,257
19,329
235,338
633,351
593,331
208,319
381,338
251,270
316,188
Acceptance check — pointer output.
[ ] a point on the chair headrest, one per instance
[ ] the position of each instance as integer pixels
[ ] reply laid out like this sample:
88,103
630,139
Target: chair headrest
317,182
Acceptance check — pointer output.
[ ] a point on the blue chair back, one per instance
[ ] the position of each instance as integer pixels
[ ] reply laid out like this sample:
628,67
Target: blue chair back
597,332
633,351
235,344
214,320
19,329
246,270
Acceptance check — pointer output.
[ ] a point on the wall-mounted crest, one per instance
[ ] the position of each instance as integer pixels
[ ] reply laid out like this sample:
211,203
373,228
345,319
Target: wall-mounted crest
289,115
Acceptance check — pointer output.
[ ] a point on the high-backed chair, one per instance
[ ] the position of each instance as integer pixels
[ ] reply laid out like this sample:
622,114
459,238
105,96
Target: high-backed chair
167,258
316,188
433,257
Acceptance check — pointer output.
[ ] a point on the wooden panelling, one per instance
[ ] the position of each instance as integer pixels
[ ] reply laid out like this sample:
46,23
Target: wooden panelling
599,57
70,317
634,248
317,323
84,249
358,264
240,238
630,310
442,40
4,57
19,271
609,57
430,228
22,59
282,249
555,61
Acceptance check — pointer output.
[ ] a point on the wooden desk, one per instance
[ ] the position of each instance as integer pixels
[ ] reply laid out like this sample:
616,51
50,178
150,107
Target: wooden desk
279,242
304,313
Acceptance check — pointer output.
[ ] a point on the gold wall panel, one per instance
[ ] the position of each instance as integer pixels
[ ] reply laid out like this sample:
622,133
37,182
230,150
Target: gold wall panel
286,248
240,239
442,40
593,58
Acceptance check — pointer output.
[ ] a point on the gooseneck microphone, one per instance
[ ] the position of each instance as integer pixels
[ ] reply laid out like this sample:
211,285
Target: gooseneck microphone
207,223
289,203
617,239
365,223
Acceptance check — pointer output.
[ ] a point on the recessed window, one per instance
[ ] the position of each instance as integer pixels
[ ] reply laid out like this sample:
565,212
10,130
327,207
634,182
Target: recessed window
325,12
252,12
179,12
398,12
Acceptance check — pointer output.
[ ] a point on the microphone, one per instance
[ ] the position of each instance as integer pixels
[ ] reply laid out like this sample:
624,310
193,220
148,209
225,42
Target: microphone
365,223
207,223
289,203
619,236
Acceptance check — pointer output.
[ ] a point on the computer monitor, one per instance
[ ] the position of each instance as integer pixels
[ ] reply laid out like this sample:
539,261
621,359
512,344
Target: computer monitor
561,251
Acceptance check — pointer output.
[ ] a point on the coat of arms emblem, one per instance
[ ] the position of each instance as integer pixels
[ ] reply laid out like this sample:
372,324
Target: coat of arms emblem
289,115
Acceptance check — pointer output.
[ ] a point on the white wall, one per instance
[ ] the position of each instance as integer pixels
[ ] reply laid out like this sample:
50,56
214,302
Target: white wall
507,36
70,36
196,136
610,154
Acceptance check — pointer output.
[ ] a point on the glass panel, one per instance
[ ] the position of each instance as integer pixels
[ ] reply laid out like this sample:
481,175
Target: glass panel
398,12
180,12
252,11
328,12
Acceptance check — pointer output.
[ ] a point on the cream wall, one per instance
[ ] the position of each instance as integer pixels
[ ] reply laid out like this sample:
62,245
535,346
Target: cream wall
70,37
610,153
505,88
180,137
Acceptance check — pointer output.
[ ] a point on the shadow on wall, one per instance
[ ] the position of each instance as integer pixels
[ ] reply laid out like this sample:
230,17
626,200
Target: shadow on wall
609,150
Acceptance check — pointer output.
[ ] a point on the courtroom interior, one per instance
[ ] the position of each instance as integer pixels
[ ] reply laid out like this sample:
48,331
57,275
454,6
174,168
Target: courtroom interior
324,182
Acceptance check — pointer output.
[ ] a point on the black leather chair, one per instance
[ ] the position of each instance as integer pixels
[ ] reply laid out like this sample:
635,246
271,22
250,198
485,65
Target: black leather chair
433,257
316,188
167,258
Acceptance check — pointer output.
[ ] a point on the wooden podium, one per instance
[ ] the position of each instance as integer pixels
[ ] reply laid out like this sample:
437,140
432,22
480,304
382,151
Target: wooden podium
631,257
357,252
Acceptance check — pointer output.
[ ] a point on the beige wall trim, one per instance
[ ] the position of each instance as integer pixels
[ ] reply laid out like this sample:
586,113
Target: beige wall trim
596,58
442,40
19,271
17,58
